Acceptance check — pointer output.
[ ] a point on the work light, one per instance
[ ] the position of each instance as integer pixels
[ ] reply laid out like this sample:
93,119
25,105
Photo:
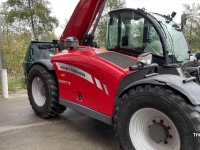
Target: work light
145,58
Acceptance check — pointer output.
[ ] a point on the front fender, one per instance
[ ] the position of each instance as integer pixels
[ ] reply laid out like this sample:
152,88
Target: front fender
190,89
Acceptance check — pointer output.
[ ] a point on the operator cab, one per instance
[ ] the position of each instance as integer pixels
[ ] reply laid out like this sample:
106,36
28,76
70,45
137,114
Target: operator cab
133,32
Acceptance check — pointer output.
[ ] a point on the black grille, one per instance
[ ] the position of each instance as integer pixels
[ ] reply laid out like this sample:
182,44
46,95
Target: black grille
117,59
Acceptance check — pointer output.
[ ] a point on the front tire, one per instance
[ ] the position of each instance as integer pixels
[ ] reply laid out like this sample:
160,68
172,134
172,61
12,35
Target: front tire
156,118
43,92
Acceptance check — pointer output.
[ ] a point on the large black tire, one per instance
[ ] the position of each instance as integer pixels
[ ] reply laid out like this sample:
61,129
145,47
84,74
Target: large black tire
184,116
48,103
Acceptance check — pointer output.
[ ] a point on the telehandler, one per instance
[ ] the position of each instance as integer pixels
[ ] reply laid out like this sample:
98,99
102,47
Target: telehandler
144,83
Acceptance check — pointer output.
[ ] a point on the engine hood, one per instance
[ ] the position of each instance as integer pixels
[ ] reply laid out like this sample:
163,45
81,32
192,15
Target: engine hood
95,74
110,65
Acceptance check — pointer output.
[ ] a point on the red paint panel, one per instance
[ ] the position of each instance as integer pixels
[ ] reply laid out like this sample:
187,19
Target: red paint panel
98,95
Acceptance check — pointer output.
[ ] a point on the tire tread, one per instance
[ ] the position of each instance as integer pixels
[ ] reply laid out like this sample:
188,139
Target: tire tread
54,108
193,112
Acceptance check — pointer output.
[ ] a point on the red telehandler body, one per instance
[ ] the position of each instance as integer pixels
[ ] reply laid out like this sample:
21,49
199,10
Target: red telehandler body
144,84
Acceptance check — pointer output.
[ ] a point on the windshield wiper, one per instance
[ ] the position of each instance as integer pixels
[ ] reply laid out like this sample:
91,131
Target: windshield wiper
172,44
159,24
166,32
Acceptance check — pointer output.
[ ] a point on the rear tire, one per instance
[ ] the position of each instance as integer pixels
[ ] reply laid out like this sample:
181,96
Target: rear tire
43,92
145,111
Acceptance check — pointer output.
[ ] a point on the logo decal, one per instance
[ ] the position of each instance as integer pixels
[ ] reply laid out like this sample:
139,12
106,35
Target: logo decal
74,70
64,82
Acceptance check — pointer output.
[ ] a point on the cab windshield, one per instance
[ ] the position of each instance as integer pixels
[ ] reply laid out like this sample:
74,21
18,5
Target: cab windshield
129,30
176,42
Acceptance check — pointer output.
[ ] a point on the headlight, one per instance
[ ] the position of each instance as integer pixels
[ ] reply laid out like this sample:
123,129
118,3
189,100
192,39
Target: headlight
145,59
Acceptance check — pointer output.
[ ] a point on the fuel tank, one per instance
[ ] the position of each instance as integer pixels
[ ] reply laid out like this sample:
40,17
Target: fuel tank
90,77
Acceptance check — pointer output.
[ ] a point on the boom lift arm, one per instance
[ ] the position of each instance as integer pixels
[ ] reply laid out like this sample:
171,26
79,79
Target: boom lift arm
82,20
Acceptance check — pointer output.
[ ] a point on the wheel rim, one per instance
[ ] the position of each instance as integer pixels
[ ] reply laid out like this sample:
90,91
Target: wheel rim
143,125
38,91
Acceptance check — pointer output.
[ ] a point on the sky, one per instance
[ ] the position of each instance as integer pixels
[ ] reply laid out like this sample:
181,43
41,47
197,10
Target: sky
63,9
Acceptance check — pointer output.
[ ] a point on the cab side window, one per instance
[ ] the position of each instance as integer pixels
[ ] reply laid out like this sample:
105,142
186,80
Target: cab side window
132,30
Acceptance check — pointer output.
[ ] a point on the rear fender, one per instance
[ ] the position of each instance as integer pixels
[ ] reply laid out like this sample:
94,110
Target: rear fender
44,62
190,89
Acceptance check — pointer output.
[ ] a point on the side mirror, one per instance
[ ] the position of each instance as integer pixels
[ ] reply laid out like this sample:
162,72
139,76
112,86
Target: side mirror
111,21
183,20
197,56
125,40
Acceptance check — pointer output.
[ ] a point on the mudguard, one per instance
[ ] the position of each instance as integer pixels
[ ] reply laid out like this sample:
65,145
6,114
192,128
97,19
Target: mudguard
190,89
45,62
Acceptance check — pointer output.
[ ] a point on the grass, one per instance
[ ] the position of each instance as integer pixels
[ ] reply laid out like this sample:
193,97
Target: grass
15,83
